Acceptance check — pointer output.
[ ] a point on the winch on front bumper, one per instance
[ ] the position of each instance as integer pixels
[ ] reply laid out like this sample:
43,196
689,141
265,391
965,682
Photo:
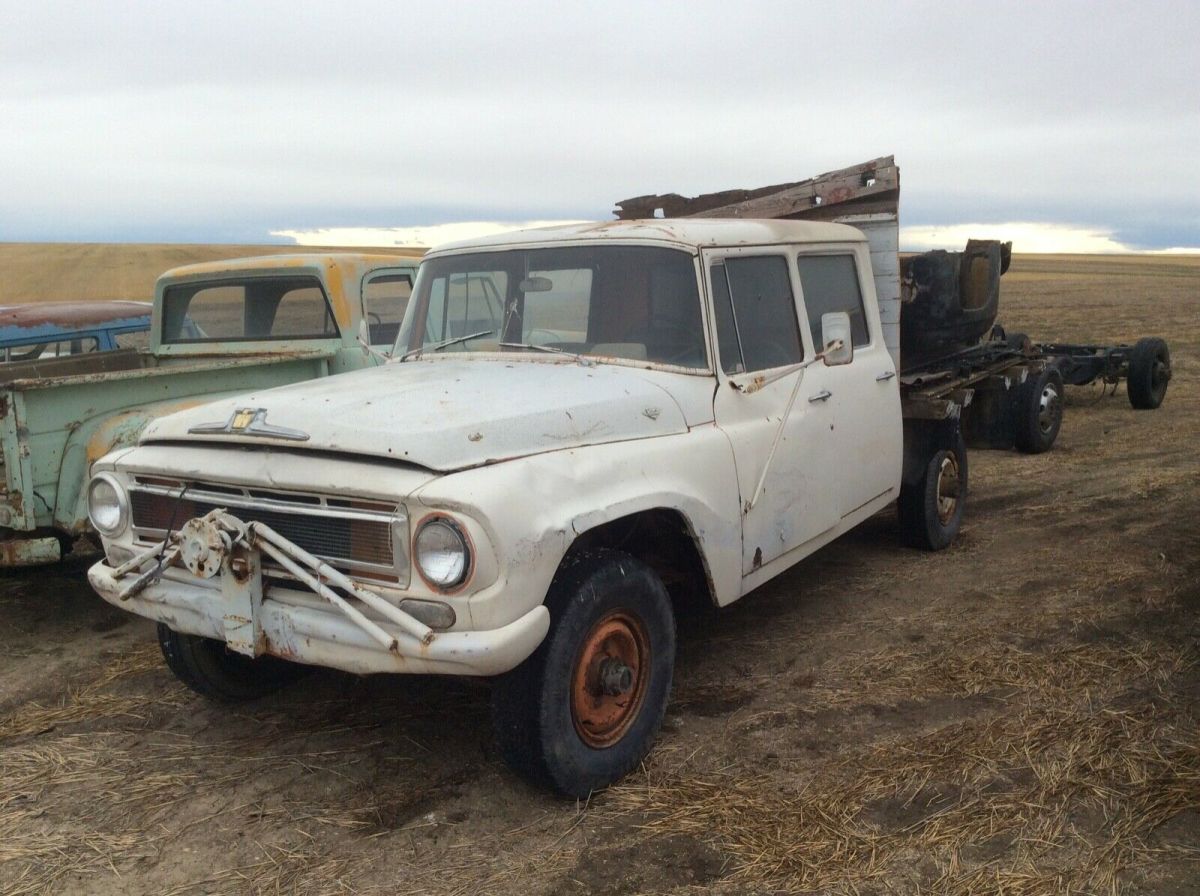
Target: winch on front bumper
207,579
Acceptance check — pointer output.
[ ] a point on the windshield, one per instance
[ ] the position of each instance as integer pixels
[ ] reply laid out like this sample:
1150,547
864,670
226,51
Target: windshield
634,302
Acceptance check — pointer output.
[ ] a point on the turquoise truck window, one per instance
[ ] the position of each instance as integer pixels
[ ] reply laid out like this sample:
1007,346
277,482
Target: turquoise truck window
385,298
250,310
830,283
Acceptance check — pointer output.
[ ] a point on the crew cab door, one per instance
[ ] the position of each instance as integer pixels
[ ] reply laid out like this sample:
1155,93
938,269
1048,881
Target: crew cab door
864,394
760,341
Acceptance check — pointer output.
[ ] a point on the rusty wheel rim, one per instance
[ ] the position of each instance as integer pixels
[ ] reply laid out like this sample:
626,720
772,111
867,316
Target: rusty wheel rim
608,684
1049,409
947,488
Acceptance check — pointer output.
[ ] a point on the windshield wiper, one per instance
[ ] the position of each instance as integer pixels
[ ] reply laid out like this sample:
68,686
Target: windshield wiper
437,347
584,362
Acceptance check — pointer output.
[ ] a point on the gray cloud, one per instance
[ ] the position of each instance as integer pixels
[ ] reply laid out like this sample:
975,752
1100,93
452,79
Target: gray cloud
227,120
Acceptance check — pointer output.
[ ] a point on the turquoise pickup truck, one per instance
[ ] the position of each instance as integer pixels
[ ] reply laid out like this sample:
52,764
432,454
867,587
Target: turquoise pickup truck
218,328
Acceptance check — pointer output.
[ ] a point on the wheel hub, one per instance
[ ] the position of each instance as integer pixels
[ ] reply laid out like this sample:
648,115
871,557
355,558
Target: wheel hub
1049,409
1161,374
947,489
615,677
608,684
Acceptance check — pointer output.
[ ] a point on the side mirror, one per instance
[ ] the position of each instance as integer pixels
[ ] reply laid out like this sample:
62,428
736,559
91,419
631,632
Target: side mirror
837,342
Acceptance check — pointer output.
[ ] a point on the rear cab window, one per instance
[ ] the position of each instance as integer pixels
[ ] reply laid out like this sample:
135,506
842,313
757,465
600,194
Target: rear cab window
256,309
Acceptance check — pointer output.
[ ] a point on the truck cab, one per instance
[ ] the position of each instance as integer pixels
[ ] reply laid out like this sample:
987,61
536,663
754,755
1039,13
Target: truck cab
216,328
581,432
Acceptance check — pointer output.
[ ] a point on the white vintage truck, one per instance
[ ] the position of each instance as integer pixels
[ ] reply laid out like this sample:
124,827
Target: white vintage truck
580,429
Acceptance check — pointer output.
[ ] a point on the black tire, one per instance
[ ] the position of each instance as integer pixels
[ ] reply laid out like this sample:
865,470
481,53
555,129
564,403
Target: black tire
535,707
1149,373
211,670
1039,411
931,509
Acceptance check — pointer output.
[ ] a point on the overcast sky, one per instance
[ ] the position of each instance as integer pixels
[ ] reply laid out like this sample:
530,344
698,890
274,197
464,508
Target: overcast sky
229,121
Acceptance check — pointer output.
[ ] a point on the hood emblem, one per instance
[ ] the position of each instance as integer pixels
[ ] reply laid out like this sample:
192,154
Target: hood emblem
249,422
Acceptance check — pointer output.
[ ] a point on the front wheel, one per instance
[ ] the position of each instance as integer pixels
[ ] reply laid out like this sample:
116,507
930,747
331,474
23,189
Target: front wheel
584,710
210,669
931,509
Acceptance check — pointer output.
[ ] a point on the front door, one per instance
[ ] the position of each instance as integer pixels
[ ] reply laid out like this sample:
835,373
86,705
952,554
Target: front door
793,498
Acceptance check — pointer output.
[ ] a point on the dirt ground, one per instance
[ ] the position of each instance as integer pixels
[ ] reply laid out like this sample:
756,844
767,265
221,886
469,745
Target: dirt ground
1019,714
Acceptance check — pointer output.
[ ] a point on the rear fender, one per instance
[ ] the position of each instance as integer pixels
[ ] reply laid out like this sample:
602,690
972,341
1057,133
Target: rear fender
921,439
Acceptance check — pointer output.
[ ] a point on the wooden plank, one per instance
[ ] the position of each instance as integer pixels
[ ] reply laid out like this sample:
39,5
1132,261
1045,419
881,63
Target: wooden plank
869,183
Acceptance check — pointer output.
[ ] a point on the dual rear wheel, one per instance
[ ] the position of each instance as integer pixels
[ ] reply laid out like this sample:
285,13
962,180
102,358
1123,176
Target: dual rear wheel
931,507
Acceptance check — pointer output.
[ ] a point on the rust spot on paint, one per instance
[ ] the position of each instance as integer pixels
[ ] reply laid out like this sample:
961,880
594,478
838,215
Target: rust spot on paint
71,314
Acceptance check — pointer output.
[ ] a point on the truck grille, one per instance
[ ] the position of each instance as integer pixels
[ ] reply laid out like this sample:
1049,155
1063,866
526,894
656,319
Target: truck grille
354,536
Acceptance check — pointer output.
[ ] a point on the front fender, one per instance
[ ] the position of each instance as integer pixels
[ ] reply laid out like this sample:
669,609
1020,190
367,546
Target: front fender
534,508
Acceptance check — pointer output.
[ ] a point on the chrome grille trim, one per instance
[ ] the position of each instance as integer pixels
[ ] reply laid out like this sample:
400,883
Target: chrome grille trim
300,506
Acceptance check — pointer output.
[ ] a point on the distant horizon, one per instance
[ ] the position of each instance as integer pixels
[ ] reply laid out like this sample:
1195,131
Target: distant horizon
1028,238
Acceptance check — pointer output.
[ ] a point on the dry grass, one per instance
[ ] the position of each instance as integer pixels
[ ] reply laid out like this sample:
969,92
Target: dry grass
40,272
90,700
1016,715
1064,793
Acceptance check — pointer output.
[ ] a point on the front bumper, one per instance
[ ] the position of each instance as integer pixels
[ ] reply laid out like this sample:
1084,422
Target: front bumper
221,596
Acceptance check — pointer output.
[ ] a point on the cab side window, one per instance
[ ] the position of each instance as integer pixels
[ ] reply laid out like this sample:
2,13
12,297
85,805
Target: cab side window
385,297
830,283
755,313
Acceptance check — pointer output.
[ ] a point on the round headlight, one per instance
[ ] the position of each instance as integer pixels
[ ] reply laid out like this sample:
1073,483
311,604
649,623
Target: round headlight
108,508
442,553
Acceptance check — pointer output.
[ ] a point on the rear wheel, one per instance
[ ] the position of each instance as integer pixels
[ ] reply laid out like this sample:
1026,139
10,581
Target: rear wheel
931,509
1149,373
210,669
1039,411
584,710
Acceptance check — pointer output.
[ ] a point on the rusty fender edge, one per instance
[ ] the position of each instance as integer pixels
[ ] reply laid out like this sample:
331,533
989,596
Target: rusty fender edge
321,636
29,552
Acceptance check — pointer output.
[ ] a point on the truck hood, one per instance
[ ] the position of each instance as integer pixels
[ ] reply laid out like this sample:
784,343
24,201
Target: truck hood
448,415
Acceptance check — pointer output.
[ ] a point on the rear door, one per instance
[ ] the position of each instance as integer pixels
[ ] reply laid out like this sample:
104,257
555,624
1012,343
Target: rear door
864,393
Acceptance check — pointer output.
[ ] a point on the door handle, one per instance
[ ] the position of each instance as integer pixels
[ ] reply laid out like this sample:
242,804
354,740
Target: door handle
884,377
823,395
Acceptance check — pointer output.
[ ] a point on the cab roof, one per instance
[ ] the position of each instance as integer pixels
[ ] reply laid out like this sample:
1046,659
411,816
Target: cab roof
692,233
70,315
336,263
